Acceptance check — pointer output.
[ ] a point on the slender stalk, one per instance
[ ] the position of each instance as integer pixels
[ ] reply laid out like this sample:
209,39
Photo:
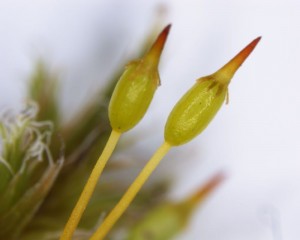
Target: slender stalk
132,191
90,186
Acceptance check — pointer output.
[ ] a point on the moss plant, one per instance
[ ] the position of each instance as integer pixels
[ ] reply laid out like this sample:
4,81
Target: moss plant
190,117
27,169
45,163
130,101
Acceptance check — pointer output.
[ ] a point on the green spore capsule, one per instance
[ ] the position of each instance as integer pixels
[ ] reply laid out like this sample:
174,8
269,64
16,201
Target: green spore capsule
200,104
167,220
194,112
136,87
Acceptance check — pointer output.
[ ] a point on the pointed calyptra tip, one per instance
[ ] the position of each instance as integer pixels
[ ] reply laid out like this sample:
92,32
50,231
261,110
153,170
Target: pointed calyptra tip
208,187
157,47
225,74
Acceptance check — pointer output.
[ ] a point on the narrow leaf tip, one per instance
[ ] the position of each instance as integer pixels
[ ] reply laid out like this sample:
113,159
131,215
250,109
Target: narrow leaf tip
209,186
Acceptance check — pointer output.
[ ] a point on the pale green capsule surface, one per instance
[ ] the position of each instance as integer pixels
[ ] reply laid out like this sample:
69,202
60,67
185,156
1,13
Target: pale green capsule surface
161,224
136,87
199,105
167,220
194,111
132,95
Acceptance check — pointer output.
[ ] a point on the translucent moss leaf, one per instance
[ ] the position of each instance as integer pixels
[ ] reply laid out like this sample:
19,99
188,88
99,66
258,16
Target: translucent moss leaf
43,89
5,175
12,148
19,184
22,212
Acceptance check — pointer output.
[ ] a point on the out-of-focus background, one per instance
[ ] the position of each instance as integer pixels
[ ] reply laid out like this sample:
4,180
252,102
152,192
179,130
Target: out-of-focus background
255,138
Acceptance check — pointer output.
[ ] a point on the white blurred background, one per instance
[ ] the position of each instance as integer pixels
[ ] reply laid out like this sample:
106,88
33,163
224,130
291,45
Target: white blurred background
255,139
